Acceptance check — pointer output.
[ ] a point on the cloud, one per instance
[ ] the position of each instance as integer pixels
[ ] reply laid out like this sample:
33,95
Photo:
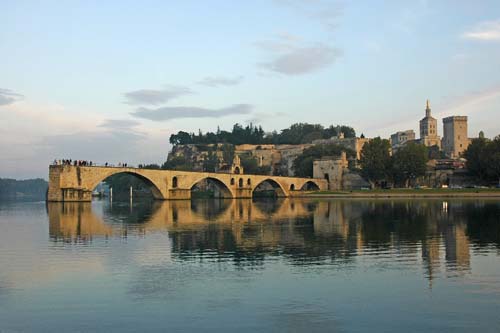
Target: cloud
8,97
216,81
260,117
34,135
119,124
155,97
168,113
284,42
480,104
485,31
468,103
324,12
298,60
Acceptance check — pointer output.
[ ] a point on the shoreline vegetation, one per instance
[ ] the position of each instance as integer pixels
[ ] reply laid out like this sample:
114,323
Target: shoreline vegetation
408,193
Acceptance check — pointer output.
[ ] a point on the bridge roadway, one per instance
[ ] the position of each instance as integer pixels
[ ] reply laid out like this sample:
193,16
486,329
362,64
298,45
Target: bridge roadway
76,183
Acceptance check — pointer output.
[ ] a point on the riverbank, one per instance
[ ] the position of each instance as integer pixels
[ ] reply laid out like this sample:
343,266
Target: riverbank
410,193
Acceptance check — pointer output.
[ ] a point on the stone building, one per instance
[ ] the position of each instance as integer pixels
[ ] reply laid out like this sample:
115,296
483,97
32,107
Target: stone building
455,138
335,170
428,129
278,157
399,139
331,169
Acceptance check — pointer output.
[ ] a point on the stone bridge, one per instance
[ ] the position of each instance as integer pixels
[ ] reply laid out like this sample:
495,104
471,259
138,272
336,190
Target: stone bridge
76,183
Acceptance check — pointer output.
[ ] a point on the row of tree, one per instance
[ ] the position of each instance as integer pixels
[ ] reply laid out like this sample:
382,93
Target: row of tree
250,134
402,168
483,159
29,189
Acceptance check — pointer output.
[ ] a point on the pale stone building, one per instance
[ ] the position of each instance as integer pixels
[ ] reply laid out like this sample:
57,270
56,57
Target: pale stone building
278,157
335,170
428,129
399,139
331,169
455,138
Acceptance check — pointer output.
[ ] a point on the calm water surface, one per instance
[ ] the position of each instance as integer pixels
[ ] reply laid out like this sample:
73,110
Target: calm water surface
291,265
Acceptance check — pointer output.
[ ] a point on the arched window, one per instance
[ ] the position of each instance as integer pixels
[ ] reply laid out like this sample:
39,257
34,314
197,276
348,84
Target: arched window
232,181
292,187
174,182
240,182
249,181
237,170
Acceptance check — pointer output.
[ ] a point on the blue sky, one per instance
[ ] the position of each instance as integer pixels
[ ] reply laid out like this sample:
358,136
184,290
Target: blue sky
110,81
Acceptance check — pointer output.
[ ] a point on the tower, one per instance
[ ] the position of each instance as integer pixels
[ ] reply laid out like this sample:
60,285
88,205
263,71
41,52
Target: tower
428,129
455,138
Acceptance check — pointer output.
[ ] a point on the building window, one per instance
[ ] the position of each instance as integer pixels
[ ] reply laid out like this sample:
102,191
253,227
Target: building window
232,181
240,182
174,182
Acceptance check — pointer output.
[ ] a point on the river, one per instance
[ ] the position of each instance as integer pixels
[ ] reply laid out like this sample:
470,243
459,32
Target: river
319,265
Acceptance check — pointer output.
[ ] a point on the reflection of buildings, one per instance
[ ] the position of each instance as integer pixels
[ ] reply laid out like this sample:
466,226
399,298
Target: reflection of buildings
75,221
431,256
457,247
299,230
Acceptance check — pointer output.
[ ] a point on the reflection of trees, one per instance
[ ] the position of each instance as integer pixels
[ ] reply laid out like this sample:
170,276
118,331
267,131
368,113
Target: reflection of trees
483,223
211,209
121,212
382,220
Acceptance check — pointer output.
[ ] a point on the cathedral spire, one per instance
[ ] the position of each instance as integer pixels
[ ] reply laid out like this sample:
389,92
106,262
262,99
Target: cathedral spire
428,109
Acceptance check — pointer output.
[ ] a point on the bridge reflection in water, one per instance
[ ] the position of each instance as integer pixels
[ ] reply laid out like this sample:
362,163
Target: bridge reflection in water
427,232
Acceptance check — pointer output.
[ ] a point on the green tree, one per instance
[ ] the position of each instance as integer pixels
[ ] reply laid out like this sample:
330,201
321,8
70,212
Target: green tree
227,153
181,138
211,161
251,165
303,164
178,163
375,160
408,163
33,189
476,155
251,134
493,160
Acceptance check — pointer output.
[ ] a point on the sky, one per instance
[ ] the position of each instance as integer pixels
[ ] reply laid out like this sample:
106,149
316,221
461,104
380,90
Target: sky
110,81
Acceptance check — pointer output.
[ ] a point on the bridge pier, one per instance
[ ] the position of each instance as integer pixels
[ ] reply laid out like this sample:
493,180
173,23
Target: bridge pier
179,194
241,193
76,194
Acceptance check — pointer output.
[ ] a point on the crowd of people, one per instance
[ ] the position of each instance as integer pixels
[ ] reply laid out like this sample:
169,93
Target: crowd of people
86,163
73,162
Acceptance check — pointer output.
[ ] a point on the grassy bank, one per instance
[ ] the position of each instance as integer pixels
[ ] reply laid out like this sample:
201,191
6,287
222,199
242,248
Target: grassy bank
401,192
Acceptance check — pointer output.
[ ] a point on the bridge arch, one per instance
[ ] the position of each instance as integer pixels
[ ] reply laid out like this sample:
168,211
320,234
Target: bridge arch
153,184
225,191
270,184
310,186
